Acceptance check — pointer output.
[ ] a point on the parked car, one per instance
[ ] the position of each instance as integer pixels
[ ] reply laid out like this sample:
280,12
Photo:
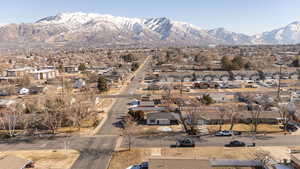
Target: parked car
143,165
235,143
290,127
224,133
237,133
186,90
187,142
24,91
134,167
4,93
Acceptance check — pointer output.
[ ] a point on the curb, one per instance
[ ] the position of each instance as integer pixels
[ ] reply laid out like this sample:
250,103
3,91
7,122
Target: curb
98,128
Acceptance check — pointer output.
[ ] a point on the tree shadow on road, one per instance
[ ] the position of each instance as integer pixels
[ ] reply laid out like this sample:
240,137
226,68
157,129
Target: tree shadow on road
29,139
96,153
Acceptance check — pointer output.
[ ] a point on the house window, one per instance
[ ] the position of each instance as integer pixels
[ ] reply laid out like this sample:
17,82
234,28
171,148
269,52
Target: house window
152,121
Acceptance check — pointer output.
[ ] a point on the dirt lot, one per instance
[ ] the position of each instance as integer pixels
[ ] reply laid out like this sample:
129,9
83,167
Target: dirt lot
124,159
268,128
58,159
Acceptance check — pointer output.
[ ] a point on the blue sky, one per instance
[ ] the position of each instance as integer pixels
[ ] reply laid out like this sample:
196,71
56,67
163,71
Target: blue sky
246,16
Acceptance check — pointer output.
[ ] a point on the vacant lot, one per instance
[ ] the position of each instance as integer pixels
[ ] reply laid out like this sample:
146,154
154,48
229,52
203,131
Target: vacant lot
45,159
267,128
124,159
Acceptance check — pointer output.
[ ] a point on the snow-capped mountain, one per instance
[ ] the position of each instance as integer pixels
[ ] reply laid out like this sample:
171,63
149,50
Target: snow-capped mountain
106,30
285,35
229,37
101,30
3,24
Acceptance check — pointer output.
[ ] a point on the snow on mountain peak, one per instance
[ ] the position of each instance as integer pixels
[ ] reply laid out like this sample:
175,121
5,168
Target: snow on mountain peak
77,19
295,23
79,26
3,24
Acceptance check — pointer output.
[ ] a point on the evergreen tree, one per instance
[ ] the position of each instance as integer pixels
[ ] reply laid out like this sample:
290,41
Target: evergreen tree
102,84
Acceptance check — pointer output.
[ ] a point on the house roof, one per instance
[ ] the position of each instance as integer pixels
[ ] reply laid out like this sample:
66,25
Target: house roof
44,71
244,72
163,115
178,163
20,69
12,162
147,104
148,108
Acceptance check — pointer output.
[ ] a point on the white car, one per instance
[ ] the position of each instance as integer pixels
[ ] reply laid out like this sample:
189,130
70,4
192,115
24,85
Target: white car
24,91
134,167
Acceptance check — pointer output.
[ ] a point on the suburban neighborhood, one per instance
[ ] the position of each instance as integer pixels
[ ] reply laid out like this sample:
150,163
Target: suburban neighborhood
150,84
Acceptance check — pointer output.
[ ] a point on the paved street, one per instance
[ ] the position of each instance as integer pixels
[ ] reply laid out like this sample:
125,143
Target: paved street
170,139
98,150
187,94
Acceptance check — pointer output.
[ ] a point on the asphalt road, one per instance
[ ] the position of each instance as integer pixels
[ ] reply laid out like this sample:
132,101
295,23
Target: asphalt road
97,151
187,94
169,139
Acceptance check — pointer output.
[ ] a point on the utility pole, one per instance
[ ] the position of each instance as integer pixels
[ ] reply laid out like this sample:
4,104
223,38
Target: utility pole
279,83
181,86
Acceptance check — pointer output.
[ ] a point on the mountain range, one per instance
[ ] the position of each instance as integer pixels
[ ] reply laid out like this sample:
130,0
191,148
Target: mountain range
107,30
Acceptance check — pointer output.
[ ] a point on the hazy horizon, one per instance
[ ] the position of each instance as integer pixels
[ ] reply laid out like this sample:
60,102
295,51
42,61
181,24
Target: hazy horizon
249,17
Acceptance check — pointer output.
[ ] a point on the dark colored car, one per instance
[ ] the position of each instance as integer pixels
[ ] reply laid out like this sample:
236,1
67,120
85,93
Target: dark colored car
187,142
235,143
144,165
290,127
237,133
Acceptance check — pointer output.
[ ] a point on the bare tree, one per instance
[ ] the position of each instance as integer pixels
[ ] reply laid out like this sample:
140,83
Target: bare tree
25,81
128,131
9,119
53,113
222,114
233,115
80,109
255,116
286,115
192,118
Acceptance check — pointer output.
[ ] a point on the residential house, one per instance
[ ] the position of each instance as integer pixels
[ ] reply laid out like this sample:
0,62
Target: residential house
19,72
162,118
71,69
44,74
245,75
148,109
209,76
213,116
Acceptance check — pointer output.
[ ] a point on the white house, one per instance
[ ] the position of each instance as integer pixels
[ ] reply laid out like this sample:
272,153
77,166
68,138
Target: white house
162,118
44,74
